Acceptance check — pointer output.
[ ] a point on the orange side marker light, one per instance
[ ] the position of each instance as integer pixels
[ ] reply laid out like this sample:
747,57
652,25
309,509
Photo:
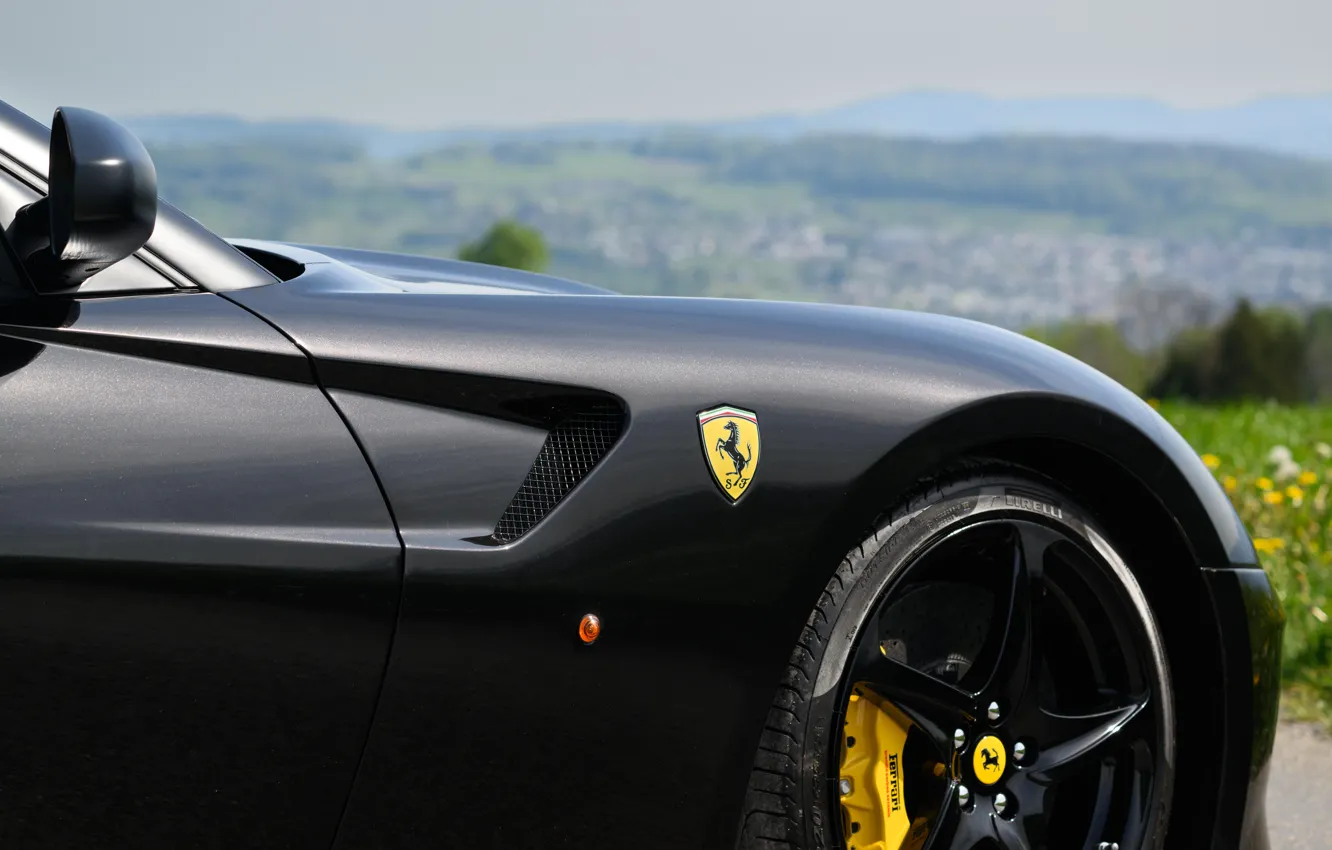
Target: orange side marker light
589,629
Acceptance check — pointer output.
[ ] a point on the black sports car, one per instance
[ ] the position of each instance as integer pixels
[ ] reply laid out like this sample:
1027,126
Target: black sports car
309,548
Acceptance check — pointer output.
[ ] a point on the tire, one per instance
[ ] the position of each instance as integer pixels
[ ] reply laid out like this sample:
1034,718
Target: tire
791,802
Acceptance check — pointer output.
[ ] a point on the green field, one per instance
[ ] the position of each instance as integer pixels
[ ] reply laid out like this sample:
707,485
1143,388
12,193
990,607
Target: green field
1276,464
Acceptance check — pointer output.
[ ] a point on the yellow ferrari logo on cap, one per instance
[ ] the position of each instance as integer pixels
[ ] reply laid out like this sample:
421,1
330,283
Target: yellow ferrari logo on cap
989,760
731,446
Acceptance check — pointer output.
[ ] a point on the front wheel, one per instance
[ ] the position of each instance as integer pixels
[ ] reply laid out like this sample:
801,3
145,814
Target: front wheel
982,672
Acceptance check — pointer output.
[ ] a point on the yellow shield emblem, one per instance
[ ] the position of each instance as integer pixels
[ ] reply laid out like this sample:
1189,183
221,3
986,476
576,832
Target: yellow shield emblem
731,447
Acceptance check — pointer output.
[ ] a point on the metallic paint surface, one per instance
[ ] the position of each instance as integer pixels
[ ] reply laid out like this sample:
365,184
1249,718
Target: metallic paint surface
1251,685
447,474
881,375
700,599
198,581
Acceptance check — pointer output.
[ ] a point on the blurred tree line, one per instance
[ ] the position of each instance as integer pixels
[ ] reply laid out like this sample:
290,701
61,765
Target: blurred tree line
1252,354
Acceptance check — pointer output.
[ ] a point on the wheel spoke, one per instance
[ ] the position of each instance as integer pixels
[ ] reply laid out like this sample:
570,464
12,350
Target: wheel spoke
1139,813
1016,644
1134,793
1011,835
946,824
955,829
1069,741
932,704
1100,818
1125,789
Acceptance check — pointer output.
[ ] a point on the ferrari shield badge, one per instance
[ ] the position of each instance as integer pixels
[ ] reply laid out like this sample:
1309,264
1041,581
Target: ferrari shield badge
731,447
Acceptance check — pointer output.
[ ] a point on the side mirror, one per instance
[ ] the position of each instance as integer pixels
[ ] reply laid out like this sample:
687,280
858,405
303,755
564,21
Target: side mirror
101,203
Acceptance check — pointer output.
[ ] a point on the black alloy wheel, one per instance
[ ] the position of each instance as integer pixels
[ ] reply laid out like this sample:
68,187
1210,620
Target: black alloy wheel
984,672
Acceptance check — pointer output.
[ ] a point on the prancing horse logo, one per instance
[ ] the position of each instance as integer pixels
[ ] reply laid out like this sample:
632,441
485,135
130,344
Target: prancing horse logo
731,447
988,759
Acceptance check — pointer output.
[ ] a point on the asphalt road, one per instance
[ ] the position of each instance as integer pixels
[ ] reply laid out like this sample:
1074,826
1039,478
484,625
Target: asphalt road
1299,791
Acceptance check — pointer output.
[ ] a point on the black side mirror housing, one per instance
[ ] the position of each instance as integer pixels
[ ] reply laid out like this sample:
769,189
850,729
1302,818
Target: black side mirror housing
101,203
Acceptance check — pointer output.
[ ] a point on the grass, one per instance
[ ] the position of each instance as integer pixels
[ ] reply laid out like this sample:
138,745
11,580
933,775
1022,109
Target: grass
1276,465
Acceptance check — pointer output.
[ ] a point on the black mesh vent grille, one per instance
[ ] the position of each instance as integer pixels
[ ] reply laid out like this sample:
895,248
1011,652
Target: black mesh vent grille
571,449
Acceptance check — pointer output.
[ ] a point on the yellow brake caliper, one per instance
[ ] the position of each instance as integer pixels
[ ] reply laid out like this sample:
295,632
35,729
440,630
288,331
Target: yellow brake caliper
874,815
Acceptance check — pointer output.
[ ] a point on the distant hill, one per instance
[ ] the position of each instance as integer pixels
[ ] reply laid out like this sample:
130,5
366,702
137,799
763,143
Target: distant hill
1299,125
1046,183
1013,230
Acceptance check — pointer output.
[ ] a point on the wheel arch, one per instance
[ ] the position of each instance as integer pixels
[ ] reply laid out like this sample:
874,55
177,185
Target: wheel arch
1125,461
1140,490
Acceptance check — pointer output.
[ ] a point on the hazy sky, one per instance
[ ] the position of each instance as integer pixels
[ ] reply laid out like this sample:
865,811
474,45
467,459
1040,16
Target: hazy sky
433,63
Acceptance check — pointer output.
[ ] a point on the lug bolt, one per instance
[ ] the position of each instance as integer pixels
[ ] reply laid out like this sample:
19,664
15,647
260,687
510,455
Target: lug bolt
1000,803
844,787
963,796
959,739
993,711
1019,751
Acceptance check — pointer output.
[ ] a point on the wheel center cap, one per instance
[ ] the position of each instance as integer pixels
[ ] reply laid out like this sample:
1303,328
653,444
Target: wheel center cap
989,759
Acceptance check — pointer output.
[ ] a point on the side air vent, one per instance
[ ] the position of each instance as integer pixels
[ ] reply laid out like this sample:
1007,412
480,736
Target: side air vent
575,445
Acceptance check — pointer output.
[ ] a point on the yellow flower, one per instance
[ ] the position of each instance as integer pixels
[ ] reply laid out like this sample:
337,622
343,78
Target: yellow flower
1230,483
1273,497
1294,493
1154,403
1264,483
1307,478
1268,544
1211,461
